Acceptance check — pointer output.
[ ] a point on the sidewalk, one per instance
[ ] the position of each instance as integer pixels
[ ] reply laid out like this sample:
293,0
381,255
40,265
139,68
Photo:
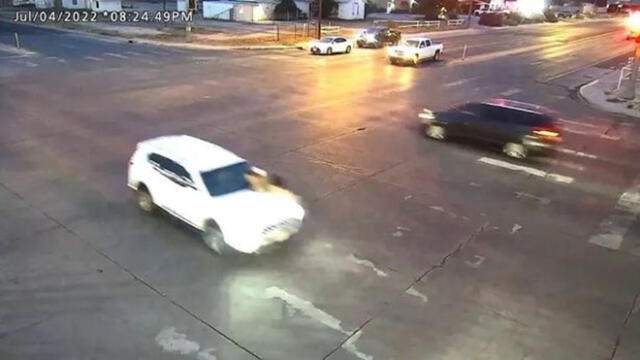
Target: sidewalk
602,94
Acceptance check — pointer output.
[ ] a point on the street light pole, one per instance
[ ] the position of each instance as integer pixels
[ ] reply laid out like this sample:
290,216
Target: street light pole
470,13
319,27
630,89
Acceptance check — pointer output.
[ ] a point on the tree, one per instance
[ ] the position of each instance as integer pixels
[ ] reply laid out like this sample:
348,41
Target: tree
286,9
431,8
327,8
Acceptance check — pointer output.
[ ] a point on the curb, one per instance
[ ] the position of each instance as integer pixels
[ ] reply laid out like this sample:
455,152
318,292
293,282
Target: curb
584,98
215,47
124,38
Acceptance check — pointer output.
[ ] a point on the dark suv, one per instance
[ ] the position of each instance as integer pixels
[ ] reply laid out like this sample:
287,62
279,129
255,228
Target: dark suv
519,128
378,36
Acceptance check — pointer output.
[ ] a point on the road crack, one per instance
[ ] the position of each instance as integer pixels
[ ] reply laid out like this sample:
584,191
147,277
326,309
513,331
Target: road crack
443,262
135,277
633,308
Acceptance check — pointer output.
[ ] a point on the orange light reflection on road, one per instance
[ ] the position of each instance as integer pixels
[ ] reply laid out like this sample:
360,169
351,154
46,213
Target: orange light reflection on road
343,87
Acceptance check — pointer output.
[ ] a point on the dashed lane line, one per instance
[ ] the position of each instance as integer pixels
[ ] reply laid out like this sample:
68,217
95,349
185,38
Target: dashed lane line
527,170
510,92
460,82
613,228
93,58
119,56
577,153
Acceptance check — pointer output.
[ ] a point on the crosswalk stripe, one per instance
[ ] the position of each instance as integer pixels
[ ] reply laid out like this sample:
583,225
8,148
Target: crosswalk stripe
612,229
527,170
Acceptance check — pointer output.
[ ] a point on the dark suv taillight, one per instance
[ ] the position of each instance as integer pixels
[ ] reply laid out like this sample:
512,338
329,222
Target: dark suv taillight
547,134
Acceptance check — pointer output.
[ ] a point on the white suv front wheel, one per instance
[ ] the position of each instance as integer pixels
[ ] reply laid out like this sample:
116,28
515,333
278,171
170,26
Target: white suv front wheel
214,238
144,200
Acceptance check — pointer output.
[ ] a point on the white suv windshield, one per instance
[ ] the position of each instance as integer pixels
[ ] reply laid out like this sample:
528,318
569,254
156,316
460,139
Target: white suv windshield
226,180
326,40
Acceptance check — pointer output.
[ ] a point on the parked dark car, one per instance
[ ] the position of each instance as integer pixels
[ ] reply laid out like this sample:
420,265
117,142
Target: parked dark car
520,129
378,36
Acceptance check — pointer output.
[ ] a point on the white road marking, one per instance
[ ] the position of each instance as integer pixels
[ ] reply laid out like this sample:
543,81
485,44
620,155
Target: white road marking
369,264
541,200
14,50
577,153
567,164
612,229
30,64
440,209
93,58
516,228
206,354
527,170
412,291
510,92
172,341
572,122
308,309
478,261
62,61
537,62
610,137
460,82
133,53
116,55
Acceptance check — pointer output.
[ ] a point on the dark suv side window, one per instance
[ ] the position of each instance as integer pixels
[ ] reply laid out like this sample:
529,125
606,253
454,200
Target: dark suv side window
167,165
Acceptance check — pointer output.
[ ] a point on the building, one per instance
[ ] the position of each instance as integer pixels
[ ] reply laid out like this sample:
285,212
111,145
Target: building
350,9
247,10
95,5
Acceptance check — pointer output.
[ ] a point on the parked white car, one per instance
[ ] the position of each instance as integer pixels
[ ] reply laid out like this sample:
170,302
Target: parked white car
210,188
415,50
331,45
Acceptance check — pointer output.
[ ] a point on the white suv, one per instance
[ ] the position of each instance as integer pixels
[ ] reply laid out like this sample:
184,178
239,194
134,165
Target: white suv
234,204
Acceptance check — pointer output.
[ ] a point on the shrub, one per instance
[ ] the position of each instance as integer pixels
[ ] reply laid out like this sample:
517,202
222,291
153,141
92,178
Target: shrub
285,10
550,16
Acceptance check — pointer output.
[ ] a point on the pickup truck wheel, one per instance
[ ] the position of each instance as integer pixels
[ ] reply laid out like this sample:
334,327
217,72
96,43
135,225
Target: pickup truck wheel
416,60
144,200
348,49
435,132
436,56
213,238
516,151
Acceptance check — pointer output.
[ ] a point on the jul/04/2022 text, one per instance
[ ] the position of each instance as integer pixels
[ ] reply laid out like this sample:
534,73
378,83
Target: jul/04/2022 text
67,16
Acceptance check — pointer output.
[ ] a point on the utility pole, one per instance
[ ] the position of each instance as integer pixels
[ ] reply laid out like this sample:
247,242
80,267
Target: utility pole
630,89
190,14
319,27
470,13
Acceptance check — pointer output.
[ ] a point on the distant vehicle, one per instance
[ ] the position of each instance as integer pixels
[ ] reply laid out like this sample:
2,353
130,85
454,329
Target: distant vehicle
330,45
521,129
23,2
633,24
415,50
235,205
378,36
482,9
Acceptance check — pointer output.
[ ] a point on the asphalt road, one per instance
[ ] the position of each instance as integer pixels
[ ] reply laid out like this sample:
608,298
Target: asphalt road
412,249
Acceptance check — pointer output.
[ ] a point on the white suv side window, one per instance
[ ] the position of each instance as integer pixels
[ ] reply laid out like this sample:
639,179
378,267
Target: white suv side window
169,168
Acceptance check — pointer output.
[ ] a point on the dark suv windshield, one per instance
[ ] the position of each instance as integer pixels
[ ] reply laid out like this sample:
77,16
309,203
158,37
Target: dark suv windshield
226,180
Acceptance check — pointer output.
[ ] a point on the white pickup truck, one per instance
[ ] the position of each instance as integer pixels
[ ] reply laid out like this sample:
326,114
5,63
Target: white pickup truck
415,50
